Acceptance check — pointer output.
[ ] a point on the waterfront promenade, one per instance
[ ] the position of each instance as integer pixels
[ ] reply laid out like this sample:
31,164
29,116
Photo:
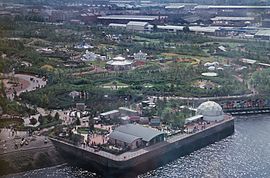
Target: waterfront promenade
138,152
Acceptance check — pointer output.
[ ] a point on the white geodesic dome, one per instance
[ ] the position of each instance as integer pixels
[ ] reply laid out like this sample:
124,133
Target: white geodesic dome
211,111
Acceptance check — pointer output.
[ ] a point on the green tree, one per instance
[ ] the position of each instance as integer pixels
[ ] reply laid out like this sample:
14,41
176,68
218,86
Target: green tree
78,122
33,121
115,84
44,100
186,29
56,116
50,118
91,123
166,115
40,119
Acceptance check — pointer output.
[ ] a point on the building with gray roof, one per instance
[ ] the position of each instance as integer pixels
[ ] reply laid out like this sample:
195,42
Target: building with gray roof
149,135
129,17
175,6
118,64
195,29
110,114
126,18
266,23
232,21
133,26
125,140
139,26
207,7
233,18
263,34
128,112
210,11
118,25
134,135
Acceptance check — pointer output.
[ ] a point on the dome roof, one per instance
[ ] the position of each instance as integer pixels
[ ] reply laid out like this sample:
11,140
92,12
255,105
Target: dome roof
119,58
212,68
119,63
211,111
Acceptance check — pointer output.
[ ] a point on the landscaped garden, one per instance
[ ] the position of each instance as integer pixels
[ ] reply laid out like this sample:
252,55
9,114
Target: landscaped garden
174,68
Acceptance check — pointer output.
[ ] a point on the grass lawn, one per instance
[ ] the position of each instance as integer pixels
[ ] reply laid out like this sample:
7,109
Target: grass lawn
50,124
98,63
83,130
147,40
8,122
113,84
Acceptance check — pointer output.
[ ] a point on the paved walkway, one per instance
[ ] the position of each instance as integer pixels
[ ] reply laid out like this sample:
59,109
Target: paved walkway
63,115
133,153
26,83
7,141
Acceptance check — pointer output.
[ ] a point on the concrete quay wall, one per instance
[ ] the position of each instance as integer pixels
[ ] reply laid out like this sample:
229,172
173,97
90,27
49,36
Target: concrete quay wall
171,151
29,159
155,156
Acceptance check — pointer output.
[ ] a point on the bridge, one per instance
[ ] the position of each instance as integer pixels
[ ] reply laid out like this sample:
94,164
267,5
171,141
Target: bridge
247,111
245,107
234,105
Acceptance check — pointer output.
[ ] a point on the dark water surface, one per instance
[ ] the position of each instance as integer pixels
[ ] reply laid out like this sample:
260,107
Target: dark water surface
245,154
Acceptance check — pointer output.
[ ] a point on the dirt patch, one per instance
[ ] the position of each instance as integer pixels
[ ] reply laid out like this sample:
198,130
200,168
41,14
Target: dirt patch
17,85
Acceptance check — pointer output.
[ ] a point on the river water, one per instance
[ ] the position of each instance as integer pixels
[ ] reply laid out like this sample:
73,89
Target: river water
244,154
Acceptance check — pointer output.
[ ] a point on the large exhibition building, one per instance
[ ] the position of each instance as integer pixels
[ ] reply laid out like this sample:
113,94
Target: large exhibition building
119,63
135,135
